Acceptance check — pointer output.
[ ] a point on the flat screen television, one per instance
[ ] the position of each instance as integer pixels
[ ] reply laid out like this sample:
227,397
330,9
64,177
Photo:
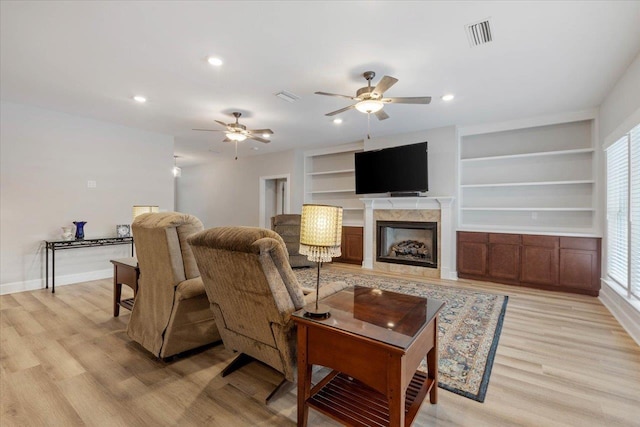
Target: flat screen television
397,170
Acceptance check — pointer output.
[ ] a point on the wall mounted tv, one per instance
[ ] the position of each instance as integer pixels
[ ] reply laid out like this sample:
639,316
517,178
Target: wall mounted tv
401,171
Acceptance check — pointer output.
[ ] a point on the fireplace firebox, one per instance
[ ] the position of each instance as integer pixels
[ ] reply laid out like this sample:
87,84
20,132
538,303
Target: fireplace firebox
408,242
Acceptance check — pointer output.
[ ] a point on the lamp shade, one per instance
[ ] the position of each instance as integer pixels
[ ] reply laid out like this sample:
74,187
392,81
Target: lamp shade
138,209
321,232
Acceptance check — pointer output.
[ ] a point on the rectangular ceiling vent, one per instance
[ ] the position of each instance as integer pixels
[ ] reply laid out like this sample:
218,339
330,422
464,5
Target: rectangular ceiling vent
479,33
287,96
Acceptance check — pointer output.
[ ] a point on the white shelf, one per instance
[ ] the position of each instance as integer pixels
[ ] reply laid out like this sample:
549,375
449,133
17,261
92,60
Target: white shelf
521,184
540,178
353,209
538,154
346,190
531,209
334,172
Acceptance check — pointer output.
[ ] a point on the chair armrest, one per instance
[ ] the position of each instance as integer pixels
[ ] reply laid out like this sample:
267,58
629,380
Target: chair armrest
325,291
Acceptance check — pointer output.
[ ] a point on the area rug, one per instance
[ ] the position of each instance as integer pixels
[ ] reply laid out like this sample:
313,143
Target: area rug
469,326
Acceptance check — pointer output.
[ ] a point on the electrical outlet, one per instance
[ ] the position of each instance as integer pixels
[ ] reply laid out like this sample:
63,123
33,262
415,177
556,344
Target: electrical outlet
91,184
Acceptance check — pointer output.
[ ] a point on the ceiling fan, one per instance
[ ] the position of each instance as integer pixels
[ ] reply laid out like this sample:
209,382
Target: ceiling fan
371,99
237,132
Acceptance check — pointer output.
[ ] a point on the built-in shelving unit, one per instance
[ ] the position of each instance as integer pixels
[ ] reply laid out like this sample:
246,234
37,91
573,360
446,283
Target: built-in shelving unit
538,178
330,179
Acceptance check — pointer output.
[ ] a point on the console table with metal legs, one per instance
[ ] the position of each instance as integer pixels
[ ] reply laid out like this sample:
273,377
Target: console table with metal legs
59,245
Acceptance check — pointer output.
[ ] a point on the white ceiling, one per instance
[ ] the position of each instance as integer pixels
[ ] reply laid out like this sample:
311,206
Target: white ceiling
90,58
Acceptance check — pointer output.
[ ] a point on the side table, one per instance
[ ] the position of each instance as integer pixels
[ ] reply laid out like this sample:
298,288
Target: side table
125,272
374,341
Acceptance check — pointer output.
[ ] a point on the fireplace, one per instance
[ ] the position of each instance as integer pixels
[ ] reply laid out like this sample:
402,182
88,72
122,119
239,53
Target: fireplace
408,242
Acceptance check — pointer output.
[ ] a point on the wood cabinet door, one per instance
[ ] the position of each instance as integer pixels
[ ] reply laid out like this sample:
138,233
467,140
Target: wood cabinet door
352,245
540,259
504,262
472,258
580,269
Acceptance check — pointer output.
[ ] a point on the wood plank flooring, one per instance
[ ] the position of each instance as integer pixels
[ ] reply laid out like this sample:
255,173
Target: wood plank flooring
563,360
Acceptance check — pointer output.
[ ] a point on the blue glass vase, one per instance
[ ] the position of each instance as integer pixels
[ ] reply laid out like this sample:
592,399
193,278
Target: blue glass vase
79,229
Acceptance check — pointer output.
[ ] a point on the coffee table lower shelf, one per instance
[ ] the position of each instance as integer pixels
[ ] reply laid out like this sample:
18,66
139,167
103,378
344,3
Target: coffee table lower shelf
348,400
127,303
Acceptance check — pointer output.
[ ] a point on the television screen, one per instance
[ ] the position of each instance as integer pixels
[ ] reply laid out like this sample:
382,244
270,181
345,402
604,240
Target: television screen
392,170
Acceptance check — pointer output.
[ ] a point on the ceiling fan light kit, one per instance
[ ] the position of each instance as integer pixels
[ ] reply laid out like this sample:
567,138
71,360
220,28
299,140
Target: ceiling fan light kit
238,137
369,106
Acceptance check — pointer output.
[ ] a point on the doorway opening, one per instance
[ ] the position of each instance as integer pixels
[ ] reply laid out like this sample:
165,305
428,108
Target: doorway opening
274,198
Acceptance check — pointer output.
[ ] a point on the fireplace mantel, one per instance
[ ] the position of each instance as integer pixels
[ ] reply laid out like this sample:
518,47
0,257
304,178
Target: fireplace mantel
444,204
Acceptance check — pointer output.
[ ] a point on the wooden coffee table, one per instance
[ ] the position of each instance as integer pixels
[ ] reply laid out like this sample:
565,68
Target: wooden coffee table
374,341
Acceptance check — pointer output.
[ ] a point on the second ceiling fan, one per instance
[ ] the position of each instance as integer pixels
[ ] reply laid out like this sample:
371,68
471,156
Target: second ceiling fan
371,99
237,132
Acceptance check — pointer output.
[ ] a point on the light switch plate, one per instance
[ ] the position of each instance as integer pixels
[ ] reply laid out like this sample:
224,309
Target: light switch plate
91,184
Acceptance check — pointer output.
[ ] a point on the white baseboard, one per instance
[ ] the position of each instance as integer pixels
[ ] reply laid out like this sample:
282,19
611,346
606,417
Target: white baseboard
622,309
445,273
31,285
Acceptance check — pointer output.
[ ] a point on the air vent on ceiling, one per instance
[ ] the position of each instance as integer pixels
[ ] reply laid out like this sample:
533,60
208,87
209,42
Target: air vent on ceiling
479,33
287,96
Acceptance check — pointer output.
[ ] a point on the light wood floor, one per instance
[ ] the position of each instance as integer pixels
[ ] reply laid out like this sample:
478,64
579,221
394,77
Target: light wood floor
65,361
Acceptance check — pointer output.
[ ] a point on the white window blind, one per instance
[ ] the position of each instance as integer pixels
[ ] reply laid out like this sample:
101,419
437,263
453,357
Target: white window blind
634,259
617,211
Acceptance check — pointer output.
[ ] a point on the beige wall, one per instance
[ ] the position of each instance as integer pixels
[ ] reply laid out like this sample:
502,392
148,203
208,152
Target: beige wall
443,149
46,159
226,191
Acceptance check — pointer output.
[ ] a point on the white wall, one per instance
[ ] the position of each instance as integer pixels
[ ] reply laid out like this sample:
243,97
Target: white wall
619,112
46,159
226,191
443,154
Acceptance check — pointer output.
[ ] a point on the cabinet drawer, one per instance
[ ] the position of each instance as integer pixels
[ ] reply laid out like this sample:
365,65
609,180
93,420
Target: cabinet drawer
583,243
543,241
510,239
466,236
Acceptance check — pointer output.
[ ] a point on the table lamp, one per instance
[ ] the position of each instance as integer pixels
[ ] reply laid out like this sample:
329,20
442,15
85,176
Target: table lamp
320,239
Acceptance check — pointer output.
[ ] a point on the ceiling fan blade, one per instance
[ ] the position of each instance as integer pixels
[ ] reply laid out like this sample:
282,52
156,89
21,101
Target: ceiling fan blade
408,100
342,110
257,138
220,123
210,130
381,115
335,94
261,131
384,84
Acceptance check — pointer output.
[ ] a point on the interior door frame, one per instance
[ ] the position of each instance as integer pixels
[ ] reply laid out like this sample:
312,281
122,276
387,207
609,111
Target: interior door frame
263,192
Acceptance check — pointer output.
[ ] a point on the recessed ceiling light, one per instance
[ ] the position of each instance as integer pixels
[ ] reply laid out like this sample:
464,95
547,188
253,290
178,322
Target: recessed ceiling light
216,62
266,135
139,98
448,97
337,121
255,148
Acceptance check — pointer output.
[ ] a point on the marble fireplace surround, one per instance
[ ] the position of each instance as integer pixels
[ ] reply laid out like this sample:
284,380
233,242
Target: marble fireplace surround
432,209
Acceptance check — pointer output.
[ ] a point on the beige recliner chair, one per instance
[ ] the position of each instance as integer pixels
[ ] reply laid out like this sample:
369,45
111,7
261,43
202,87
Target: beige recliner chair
253,291
171,313
288,227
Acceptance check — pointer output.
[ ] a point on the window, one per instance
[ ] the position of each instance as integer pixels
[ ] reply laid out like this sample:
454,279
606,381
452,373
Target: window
623,212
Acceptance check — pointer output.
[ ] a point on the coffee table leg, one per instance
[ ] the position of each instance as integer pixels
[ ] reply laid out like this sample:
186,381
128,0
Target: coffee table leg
304,377
432,364
395,391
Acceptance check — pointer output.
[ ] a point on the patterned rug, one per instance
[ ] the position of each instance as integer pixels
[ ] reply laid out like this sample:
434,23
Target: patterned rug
470,325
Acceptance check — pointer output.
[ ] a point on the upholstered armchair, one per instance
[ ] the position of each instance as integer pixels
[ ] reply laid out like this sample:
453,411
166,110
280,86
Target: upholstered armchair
253,291
171,313
288,227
